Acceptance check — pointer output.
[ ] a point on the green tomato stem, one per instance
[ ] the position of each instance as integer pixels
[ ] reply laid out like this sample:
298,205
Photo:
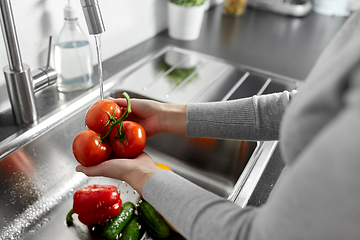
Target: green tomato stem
121,119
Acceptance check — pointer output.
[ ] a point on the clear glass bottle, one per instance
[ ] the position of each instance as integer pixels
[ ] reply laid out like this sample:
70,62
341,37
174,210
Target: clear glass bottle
73,56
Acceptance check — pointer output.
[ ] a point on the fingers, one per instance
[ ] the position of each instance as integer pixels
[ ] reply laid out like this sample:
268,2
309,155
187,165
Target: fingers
134,171
117,168
120,101
90,171
113,168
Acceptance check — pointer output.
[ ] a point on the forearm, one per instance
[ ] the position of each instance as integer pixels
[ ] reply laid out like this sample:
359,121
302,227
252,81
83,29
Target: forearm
254,118
173,118
193,211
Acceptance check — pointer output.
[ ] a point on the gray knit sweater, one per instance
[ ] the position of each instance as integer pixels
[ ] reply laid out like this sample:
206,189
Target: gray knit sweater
318,197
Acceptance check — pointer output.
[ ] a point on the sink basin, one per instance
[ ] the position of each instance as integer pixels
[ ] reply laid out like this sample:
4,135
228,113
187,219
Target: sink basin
37,176
197,159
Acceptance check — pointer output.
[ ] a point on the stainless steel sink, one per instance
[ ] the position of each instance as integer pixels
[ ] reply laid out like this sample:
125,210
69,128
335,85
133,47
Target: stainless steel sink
37,177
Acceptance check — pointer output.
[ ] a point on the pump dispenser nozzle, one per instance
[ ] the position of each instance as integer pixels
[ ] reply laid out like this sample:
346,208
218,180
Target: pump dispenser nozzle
93,16
69,12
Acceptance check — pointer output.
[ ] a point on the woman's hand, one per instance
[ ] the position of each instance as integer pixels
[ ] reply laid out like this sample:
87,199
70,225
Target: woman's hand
156,117
134,171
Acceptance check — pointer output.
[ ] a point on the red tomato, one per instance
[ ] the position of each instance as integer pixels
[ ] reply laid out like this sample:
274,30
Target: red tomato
97,116
89,150
135,140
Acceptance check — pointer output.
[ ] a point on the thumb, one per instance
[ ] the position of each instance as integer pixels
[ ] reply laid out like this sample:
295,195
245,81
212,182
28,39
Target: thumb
96,170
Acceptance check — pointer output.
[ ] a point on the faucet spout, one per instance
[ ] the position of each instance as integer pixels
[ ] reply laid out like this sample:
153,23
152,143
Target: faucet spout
93,16
10,37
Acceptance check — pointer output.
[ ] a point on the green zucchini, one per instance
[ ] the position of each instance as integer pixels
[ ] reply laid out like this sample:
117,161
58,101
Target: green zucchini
155,225
114,226
132,230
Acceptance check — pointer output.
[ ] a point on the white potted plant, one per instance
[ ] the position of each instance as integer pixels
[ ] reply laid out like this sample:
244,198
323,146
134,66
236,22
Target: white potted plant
185,19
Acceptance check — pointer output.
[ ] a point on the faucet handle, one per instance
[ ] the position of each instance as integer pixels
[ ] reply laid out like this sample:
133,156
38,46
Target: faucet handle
49,52
44,76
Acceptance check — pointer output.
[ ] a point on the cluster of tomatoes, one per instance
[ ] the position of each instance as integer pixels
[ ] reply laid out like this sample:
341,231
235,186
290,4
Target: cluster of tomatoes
108,134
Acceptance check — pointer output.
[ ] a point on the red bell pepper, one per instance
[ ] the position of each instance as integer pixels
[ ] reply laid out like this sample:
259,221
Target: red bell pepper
95,197
92,218
95,204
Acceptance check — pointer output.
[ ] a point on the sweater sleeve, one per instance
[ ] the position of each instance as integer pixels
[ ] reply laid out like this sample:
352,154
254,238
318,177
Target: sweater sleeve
194,212
317,198
255,118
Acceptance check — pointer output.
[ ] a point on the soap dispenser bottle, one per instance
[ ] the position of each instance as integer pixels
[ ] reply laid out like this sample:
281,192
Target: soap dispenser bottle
73,56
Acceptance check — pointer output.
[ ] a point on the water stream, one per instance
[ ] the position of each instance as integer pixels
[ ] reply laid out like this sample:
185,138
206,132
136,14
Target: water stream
99,59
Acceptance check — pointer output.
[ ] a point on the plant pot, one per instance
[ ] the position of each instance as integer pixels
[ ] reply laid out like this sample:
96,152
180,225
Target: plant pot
185,22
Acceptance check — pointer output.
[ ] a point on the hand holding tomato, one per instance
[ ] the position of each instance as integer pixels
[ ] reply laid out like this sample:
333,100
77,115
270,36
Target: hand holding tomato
134,171
156,117
93,146
144,112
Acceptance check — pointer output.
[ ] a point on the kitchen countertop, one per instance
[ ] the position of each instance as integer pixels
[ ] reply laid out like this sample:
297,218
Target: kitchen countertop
278,44
283,45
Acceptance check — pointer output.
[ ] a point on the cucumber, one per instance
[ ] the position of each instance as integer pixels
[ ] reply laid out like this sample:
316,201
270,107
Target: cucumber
114,226
132,230
156,226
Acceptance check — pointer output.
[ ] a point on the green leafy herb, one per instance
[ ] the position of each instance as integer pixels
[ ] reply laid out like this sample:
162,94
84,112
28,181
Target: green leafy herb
178,75
188,3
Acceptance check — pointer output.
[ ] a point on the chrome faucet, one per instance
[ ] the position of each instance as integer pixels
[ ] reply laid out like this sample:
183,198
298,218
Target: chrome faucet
93,17
20,81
